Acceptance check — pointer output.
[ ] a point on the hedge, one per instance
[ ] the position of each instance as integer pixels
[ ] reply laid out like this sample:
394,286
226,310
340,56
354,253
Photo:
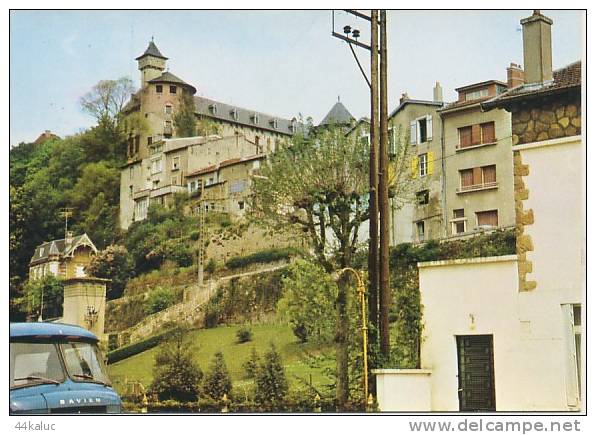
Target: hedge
138,347
265,256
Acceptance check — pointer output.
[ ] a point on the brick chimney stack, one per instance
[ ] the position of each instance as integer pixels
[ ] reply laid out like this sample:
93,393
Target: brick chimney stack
404,97
538,63
515,76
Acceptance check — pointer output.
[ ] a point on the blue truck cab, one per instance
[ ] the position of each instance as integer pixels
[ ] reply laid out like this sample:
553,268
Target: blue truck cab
58,369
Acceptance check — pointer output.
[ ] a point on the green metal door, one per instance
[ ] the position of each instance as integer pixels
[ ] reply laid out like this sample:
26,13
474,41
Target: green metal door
476,378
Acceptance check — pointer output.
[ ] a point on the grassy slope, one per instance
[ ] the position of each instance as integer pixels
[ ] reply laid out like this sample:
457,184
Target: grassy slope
205,342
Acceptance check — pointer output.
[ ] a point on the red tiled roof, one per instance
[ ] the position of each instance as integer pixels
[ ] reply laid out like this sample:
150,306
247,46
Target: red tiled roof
564,78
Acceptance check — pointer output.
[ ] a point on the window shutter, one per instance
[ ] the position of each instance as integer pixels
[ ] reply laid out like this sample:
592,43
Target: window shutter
477,176
571,380
414,167
488,132
430,162
413,133
489,174
475,134
429,127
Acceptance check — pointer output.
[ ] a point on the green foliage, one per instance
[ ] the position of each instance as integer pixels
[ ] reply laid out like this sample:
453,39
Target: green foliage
175,375
264,256
251,365
218,382
244,334
116,264
271,383
158,300
48,290
184,118
211,266
308,302
139,346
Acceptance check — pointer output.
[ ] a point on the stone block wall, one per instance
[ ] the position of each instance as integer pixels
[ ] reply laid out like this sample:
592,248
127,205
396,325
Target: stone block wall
560,117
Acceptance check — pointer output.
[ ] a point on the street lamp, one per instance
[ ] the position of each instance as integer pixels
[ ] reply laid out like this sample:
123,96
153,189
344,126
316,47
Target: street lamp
361,293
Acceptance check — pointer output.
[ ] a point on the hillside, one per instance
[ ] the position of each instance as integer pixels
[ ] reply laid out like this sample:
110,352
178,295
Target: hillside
205,342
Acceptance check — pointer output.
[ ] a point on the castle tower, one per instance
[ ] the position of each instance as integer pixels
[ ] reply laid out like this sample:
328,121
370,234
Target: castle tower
151,63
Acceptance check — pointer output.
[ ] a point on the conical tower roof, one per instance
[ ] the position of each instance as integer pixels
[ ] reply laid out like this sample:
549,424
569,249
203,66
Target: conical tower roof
152,50
337,115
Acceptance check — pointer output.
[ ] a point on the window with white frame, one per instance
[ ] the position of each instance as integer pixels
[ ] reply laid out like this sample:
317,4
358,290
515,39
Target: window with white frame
420,231
156,166
474,95
423,164
392,148
168,109
458,223
421,130
175,163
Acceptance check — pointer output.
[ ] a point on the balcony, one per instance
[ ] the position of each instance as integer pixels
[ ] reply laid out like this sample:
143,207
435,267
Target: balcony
167,190
141,193
477,187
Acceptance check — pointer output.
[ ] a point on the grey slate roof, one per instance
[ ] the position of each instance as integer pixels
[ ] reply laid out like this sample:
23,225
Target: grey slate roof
337,115
229,113
152,50
168,77
59,247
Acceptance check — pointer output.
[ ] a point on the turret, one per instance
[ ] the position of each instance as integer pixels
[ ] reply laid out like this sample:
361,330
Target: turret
151,63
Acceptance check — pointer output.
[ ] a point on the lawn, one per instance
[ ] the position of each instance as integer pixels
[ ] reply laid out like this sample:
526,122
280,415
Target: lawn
204,343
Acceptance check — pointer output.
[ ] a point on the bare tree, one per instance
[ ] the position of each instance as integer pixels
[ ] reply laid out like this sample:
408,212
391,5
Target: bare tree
107,99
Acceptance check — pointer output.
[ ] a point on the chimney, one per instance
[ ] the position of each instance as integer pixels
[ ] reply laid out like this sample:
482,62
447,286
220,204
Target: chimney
515,75
69,238
404,97
538,64
438,93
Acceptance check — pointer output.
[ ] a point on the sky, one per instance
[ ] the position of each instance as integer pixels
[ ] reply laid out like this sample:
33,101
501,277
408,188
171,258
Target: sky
284,63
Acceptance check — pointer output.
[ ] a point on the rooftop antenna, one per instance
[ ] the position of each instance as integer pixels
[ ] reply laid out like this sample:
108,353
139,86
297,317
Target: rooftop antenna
66,212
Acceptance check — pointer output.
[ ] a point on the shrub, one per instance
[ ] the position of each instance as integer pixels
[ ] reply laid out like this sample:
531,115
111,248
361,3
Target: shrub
244,334
211,266
175,375
271,382
218,381
50,289
158,300
116,264
265,256
138,347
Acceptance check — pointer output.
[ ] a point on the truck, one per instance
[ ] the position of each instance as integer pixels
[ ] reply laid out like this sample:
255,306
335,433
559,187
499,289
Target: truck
58,369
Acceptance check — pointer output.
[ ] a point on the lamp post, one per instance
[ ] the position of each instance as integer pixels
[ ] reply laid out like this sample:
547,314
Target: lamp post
362,294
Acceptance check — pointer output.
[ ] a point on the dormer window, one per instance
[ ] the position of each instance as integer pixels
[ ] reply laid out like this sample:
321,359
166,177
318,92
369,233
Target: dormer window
234,113
475,95
255,118
172,89
293,126
159,89
274,123
213,109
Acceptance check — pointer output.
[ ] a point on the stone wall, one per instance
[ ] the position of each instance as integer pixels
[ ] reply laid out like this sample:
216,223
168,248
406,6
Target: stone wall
560,117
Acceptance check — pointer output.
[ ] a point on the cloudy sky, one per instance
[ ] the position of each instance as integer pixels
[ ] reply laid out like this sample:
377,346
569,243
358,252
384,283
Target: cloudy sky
279,62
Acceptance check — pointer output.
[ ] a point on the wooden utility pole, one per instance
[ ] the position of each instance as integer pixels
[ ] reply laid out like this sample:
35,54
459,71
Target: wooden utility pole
384,291
373,244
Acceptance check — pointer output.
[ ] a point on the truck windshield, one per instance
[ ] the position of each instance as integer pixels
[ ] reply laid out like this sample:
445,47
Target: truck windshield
84,362
34,363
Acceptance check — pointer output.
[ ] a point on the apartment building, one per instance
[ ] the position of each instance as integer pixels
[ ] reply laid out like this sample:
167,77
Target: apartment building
477,161
416,211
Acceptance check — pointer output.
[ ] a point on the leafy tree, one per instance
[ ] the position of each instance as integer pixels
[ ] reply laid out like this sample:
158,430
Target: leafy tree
175,374
185,120
271,382
218,382
158,300
320,184
106,99
48,290
251,365
308,302
114,263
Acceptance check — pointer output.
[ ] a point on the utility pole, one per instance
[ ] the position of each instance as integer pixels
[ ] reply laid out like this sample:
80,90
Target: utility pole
384,291
201,252
373,246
